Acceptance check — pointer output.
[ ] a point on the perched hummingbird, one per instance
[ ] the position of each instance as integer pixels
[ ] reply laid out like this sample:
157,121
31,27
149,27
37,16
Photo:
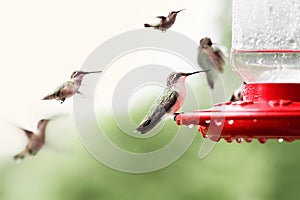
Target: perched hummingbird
35,140
212,58
238,93
165,22
68,88
168,103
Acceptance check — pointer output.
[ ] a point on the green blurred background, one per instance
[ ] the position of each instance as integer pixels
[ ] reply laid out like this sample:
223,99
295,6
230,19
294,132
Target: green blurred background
65,170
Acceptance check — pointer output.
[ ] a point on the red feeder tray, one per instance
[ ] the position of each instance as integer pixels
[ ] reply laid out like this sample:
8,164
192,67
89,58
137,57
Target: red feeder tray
268,111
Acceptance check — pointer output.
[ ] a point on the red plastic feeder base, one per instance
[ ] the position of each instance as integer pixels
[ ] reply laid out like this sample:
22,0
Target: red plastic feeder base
268,111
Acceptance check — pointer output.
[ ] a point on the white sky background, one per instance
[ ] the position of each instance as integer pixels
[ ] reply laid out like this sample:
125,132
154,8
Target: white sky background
43,42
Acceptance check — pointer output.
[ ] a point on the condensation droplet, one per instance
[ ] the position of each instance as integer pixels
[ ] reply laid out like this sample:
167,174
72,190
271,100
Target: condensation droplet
230,122
190,125
239,140
280,140
262,140
218,123
229,139
248,139
260,61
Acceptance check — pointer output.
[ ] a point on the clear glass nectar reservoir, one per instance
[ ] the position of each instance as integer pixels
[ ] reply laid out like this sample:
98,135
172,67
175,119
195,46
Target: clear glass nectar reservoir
266,40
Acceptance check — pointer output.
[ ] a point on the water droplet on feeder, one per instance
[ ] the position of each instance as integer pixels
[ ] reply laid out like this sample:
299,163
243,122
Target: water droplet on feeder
218,123
248,139
239,140
262,140
288,139
191,126
280,140
260,61
207,121
229,139
230,122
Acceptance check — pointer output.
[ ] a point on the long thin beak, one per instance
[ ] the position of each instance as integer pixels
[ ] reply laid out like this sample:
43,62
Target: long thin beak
187,74
92,72
179,11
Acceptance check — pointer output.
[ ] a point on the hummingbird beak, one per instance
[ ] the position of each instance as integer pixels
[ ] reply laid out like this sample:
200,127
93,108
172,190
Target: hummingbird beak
179,10
187,74
92,72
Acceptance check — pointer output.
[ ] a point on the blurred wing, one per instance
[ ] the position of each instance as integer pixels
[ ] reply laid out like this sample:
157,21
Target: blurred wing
163,18
57,116
219,59
28,133
205,62
208,58
42,124
161,106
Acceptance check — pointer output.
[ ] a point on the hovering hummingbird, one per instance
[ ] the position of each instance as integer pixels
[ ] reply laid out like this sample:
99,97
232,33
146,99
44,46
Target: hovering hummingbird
238,93
168,103
68,88
165,22
212,58
35,140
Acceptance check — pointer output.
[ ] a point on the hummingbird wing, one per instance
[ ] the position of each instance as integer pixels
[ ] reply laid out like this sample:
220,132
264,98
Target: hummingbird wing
205,62
28,133
42,124
208,58
163,105
55,92
218,58
64,90
163,18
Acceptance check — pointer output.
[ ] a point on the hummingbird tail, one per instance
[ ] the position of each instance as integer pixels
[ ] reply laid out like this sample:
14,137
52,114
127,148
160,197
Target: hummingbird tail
19,156
147,25
146,126
150,121
48,97
210,81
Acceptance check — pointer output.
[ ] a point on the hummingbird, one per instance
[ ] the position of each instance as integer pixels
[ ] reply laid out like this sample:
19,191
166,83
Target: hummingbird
238,93
165,22
68,88
212,58
35,140
168,103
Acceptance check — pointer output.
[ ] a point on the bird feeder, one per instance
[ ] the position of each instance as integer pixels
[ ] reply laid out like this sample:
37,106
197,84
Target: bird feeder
266,54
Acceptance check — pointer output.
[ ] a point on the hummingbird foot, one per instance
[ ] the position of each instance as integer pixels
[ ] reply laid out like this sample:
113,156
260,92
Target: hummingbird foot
175,115
62,100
